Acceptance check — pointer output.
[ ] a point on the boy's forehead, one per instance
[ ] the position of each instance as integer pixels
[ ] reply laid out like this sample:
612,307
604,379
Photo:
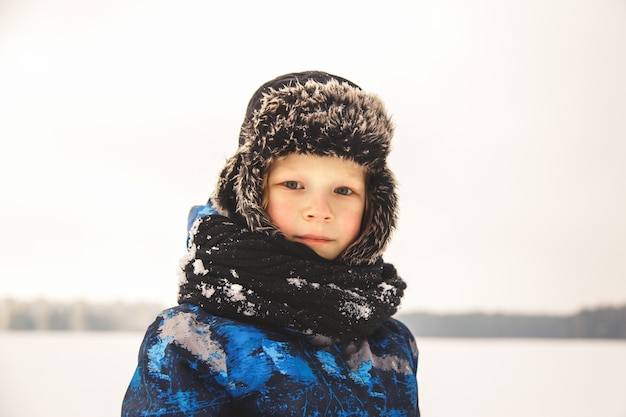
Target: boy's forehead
295,158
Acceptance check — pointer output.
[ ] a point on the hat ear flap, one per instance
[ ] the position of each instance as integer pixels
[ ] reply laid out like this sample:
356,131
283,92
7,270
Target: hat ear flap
224,198
239,193
379,220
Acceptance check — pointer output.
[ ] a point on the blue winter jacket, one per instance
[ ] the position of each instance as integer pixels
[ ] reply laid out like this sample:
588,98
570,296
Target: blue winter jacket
195,364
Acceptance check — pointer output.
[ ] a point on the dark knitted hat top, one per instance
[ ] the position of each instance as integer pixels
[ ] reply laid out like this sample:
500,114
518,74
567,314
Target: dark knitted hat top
320,114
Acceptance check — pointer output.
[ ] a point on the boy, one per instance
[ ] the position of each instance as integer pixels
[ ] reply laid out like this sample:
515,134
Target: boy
285,303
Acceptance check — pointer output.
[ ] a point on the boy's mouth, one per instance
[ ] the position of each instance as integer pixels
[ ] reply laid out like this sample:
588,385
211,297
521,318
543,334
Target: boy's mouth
313,239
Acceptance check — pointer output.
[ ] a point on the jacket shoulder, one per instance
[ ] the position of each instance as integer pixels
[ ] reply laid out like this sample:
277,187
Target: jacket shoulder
394,334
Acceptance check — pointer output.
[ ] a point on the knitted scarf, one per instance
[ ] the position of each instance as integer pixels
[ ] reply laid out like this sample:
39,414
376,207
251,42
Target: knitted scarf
232,272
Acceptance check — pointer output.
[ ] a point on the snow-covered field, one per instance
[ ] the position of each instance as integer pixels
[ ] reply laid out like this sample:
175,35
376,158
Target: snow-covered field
73,374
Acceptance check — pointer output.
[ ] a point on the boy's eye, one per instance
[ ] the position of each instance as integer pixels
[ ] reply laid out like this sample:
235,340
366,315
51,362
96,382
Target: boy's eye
294,185
343,191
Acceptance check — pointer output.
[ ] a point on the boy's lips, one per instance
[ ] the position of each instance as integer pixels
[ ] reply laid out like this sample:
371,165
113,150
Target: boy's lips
313,239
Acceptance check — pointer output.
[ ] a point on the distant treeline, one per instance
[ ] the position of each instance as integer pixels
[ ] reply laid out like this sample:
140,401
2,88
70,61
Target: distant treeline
595,323
79,315
600,322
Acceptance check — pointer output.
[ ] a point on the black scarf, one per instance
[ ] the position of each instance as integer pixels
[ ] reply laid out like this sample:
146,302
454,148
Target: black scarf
232,272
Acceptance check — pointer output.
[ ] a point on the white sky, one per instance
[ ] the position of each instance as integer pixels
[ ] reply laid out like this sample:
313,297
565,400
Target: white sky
116,117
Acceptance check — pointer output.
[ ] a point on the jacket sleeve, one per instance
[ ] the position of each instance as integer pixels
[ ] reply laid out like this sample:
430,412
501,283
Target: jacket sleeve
173,377
415,356
411,351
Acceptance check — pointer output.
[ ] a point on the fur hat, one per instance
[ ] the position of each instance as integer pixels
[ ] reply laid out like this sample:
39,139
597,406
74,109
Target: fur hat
320,114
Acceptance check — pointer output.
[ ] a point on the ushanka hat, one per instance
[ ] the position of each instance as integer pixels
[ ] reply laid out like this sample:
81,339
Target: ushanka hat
320,114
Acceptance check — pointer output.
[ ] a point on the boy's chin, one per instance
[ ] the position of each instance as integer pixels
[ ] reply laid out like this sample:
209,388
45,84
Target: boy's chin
328,255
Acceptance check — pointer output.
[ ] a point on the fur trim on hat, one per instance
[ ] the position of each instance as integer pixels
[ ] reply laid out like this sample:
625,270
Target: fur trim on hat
319,114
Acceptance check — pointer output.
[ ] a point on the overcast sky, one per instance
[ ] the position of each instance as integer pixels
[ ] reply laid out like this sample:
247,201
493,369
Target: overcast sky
510,147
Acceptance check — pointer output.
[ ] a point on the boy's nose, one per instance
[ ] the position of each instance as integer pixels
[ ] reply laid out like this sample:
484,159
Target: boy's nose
318,208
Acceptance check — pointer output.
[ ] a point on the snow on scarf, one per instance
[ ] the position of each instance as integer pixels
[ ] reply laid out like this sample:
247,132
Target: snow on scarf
232,272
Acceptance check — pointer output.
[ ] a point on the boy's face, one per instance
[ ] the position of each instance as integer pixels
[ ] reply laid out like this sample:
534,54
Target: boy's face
318,201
